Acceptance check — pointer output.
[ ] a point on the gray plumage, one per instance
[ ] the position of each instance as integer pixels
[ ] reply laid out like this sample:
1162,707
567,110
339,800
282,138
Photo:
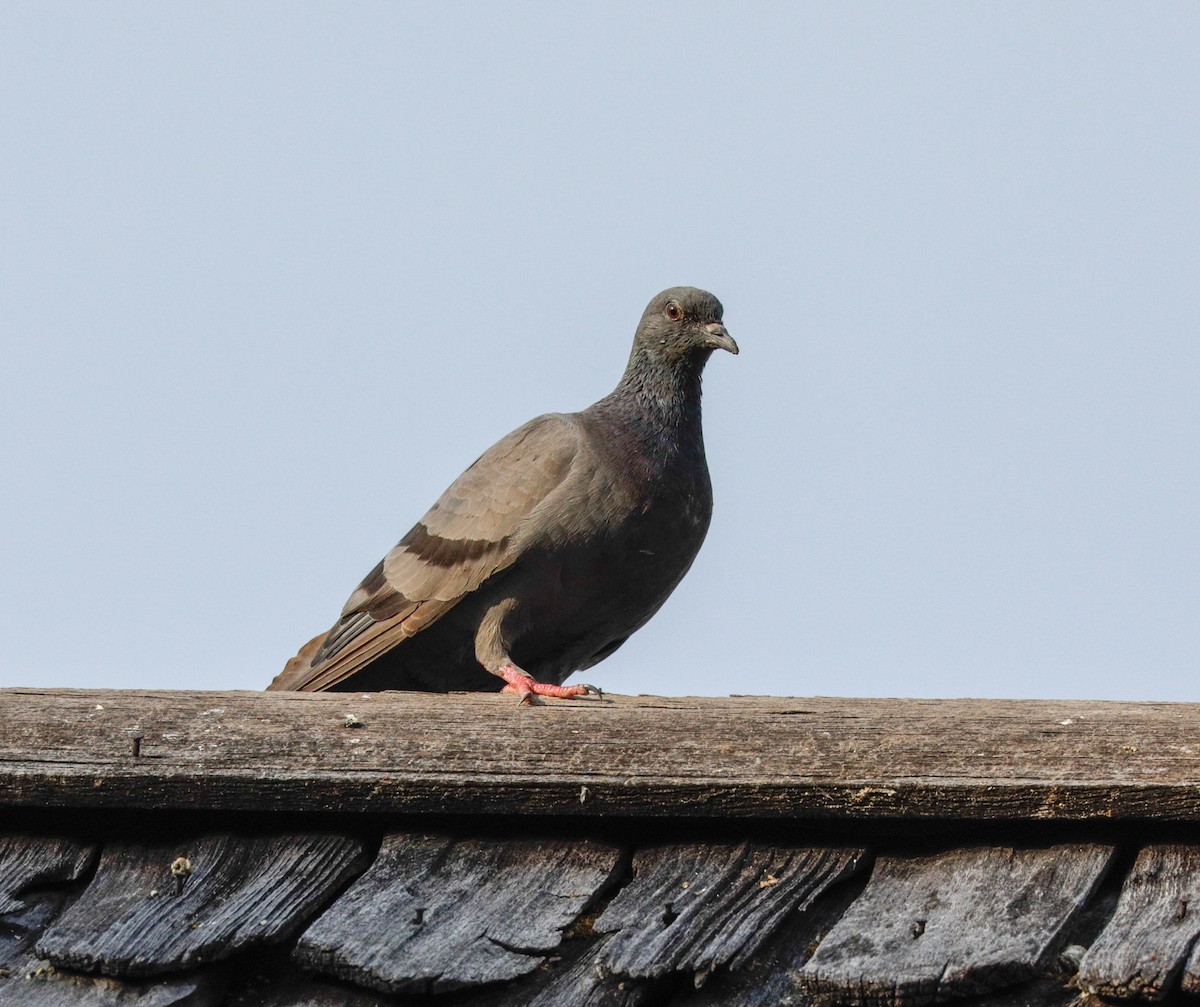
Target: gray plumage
559,541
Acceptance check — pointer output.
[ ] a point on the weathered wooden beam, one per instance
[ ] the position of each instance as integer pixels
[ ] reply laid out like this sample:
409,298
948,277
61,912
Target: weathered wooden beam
767,758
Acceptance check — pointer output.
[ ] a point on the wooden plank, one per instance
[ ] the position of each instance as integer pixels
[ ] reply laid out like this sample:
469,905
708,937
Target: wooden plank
643,756
146,913
697,907
1143,948
436,914
962,923
27,862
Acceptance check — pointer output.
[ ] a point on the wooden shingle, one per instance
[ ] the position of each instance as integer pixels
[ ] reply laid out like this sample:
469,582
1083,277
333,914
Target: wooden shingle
1142,951
700,906
961,923
435,913
139,917
27,862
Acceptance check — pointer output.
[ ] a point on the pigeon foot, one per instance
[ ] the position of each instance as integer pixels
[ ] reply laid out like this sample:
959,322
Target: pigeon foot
529,689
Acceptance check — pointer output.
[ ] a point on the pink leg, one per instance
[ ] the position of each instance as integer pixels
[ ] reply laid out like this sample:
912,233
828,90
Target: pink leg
528,688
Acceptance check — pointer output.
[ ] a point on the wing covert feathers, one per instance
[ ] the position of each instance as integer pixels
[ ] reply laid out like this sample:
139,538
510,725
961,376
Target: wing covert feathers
479,526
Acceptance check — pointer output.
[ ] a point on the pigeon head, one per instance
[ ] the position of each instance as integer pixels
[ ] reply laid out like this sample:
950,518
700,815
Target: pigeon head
683,323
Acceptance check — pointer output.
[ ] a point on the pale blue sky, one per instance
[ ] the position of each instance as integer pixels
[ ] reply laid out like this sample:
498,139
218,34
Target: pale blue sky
271,274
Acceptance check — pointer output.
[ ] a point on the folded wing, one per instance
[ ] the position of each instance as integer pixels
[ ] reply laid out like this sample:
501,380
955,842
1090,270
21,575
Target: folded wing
481,525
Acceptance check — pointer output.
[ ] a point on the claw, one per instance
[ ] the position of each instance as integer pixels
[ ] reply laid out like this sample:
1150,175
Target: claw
528,689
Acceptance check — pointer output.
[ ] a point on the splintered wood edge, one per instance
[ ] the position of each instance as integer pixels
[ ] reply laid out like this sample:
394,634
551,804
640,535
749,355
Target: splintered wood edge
738,757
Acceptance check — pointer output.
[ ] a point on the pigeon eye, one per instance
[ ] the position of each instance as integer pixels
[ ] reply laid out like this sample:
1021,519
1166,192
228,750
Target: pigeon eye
673,311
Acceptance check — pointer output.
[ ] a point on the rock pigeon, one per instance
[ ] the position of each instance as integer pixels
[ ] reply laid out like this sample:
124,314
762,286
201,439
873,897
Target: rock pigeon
553,547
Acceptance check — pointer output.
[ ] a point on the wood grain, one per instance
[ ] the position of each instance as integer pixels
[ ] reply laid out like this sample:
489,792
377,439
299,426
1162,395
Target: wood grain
638,756
698,907
139,918
1189,981
35,877
963,923
1143,948
27,862
770,978
435,914
582,984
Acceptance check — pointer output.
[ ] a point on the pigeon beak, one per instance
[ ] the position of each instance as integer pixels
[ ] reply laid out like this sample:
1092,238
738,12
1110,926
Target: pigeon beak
719,338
